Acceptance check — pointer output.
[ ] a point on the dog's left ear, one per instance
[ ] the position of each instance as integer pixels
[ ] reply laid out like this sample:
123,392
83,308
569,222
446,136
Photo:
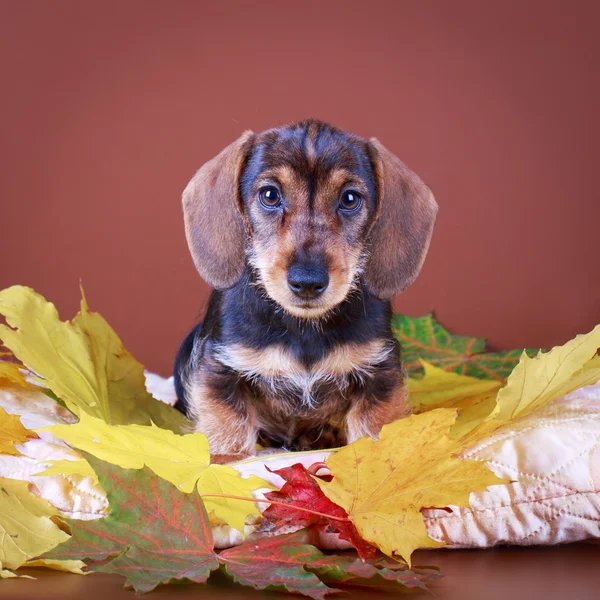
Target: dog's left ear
214,226
399,238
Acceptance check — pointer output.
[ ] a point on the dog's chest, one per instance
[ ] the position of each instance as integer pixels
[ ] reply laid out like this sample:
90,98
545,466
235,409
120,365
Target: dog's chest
279,371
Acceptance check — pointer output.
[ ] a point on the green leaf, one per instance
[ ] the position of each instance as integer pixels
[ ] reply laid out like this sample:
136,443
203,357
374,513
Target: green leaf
384,573
156,532
285,563
277,564
424,338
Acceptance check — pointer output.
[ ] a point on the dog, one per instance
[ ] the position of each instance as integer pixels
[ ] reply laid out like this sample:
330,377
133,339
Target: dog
305,232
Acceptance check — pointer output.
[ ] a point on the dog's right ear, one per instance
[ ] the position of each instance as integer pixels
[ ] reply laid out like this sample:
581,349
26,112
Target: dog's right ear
214,227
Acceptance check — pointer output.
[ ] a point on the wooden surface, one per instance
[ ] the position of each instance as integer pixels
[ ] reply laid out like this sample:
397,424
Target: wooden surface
565,572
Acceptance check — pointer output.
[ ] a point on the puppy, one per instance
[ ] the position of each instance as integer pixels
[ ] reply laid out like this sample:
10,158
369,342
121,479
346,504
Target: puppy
305,232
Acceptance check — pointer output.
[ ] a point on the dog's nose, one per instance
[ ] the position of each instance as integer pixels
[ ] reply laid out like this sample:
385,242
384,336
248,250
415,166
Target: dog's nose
307,282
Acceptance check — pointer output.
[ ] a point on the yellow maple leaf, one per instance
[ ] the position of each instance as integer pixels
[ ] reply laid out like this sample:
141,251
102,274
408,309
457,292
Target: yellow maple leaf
68,467
184,460
384,485
12,432
82,361
550,375
10,372
533,383
68,566
6,574
473,398
484,406
439,389
26,529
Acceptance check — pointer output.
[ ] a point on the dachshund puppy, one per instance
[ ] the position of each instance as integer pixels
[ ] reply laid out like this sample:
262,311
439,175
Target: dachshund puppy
306,232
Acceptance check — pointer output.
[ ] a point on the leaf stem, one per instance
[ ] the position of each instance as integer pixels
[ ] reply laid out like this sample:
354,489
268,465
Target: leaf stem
284,504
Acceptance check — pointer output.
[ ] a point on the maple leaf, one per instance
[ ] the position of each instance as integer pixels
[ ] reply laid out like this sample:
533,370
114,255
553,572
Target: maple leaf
439,388
424,338
550,375
6,574
473,398
12,432
278,564
11,373
82,361
156,534
26,528
183,460
285,563
484,406
384,485
300,490
68,566
384,573
535,382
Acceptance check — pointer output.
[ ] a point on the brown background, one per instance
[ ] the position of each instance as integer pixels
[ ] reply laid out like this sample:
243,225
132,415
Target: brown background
107,109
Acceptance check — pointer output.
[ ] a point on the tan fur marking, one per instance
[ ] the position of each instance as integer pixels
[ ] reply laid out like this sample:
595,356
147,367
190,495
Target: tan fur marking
284,174
275,362
309,148
336,179
366,419
227,431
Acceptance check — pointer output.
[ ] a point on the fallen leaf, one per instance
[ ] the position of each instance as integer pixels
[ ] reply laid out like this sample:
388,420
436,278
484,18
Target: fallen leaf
156,532
68,566
473,398
445,389
300,490
277,564
381,572
12,432
285,563
484,406
423,338
10,372
550,375
384,485
83,361
533,384
67,467
183,460
6,574
26,529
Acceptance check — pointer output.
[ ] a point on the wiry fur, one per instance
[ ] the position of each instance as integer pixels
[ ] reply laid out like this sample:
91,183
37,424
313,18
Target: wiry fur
264,364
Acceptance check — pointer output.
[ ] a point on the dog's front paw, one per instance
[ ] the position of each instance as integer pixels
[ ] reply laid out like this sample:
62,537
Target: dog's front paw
328,436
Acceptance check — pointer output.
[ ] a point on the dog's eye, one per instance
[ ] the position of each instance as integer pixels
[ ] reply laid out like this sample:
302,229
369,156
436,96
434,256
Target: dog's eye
350,201
269,197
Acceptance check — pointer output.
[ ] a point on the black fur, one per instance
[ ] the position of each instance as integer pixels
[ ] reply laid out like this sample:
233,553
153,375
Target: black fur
244,315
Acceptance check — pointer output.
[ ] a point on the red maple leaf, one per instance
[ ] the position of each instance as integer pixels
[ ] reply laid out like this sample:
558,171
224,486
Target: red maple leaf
301,491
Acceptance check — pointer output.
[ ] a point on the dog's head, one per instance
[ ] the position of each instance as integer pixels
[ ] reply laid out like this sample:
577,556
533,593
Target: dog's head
312,209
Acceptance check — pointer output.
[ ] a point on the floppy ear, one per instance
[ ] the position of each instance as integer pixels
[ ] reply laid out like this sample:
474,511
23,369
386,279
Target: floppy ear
214,227
399,238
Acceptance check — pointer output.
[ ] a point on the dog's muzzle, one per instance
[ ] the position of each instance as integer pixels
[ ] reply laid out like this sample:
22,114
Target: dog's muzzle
307,283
